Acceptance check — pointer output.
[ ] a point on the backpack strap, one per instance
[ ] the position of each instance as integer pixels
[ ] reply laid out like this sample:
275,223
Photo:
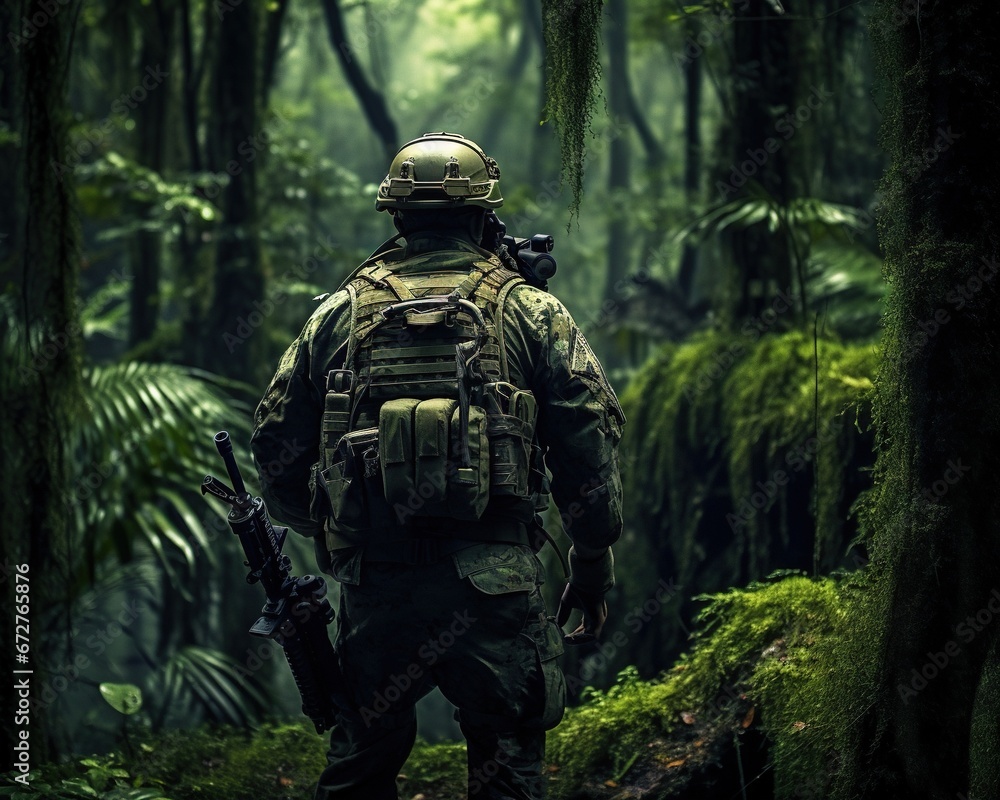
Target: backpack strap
380,275
498,323
490,284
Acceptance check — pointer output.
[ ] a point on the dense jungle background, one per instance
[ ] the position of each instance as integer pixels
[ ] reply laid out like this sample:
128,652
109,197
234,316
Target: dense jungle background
774,220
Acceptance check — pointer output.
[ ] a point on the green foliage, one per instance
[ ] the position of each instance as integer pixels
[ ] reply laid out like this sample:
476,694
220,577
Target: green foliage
771,642
762,640
280,760
723,412
806,707
125,698
782,410
115,187
198,682
838,275
105,312
135,443
91,778
438,768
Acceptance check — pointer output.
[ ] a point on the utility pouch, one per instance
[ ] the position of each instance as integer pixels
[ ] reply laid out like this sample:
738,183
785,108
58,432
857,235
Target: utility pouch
512,416
395,427
353,480
421,461
469,487
433,466
336,411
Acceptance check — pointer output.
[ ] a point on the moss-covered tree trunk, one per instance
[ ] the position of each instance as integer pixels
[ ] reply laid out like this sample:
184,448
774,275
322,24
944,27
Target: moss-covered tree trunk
936,514
39,339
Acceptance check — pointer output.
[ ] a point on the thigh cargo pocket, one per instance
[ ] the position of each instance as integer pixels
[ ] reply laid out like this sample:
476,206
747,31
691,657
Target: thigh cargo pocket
549,644
497,574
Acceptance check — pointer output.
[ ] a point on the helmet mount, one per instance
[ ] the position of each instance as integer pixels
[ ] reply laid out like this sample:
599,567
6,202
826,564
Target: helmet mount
440,171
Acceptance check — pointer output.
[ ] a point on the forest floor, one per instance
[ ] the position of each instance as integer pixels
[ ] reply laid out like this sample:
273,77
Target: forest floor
708,757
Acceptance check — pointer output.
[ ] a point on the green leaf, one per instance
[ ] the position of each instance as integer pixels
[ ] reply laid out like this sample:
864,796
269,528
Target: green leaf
125,698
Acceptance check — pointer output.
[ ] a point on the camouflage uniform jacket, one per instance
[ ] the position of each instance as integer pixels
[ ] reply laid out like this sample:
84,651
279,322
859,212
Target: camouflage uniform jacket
579,421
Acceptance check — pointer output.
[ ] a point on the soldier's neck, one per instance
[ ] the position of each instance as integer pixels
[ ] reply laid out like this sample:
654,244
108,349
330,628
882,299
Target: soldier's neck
451,239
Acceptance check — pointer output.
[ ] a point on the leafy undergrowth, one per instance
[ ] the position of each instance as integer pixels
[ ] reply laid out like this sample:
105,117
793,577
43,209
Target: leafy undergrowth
758,666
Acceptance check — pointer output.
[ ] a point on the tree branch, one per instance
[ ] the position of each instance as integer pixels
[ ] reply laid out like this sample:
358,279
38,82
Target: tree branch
372,102
272,41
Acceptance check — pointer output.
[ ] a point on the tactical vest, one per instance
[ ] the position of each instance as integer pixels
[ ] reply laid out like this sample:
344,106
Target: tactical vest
422,421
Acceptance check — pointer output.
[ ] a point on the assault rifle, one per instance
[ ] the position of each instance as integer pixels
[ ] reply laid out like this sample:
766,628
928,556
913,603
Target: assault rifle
297,610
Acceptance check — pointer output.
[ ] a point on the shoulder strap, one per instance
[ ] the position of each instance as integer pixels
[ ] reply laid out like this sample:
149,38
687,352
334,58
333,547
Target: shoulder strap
352,338
498,322
381,276
488,284
388,249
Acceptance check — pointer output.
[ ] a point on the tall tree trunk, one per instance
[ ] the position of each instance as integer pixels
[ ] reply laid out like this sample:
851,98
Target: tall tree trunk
936,514
39,340
152,122
619,161
764,82
230,342
507,101
192,88
691,69
272,45
190,267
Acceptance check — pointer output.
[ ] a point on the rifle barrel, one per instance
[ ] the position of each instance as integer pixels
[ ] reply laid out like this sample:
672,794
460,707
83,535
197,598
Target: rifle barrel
225,446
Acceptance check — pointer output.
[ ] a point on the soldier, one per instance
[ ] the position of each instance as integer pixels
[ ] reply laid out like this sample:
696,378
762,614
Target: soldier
427,398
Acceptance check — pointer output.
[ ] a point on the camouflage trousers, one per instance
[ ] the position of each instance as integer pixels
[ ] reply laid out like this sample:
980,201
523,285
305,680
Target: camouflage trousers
472,623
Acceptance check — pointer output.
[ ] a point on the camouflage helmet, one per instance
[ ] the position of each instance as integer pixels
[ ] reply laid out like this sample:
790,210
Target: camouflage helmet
440,170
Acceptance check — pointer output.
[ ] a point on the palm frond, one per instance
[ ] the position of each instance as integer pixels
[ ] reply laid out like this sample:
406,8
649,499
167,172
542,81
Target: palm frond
843,278
106,311
846,287
144,444
204,682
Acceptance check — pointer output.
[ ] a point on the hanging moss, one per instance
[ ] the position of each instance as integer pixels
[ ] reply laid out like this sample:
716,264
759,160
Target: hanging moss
720,463
778,424
572,31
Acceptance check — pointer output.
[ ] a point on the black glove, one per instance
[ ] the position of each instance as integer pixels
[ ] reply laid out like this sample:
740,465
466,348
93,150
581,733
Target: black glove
590,580
595,614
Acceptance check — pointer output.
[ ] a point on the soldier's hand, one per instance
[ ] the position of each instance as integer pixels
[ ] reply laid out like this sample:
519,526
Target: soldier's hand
595,614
